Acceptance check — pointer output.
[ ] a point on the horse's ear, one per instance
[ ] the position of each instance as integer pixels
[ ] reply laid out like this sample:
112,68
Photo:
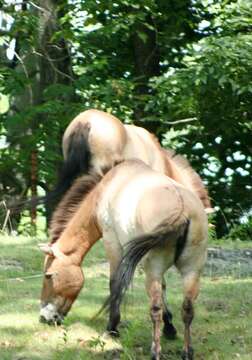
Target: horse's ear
47,249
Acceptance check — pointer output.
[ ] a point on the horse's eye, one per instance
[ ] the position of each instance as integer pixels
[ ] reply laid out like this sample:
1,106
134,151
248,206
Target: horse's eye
48,275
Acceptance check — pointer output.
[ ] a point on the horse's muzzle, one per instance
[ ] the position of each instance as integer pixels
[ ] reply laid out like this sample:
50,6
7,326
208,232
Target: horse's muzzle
57,320
49,315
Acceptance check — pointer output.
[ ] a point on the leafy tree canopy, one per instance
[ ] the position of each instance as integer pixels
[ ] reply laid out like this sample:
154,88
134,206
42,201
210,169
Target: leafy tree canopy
153,62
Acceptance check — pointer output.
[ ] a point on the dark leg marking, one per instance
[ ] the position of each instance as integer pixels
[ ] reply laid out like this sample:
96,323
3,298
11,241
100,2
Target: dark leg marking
169,331
187,355
114,314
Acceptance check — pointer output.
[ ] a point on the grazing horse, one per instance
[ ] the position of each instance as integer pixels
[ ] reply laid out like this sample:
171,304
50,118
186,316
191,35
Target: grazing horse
96,141
141,215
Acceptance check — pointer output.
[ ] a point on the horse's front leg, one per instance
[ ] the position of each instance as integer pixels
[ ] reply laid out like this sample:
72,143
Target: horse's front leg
114,254
114,312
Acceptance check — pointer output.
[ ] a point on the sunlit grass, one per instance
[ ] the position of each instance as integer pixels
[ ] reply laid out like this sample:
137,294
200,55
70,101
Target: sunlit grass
221,329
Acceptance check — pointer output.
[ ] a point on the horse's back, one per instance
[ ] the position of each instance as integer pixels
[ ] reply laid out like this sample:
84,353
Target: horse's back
141,144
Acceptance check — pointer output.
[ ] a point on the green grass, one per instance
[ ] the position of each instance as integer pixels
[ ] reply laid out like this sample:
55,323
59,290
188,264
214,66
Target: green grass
221,329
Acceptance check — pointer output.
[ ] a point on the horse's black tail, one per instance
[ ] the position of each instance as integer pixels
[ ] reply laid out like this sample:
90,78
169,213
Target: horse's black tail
135,251
76,163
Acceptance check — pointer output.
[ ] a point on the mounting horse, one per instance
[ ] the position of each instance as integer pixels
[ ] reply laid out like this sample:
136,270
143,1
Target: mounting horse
141,215
96,141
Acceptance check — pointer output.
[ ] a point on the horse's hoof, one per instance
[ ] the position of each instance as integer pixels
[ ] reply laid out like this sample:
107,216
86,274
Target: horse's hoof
187,355
114,333
155,355
170,332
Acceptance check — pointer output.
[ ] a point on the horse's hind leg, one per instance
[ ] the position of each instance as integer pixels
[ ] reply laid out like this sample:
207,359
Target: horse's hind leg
169,331
191,290
154,289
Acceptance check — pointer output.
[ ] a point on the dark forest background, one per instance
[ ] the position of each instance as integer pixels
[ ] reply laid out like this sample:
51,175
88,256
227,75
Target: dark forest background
181,69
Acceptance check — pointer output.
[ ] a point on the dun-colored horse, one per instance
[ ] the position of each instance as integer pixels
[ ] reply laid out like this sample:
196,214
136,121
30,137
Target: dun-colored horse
96,141
141,215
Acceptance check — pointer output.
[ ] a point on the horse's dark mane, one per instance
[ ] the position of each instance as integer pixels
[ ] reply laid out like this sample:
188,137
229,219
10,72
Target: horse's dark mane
70,203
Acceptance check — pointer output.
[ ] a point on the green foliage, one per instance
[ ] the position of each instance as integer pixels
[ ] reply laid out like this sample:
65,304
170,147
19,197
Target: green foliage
148,62
4,103
214,85
241,232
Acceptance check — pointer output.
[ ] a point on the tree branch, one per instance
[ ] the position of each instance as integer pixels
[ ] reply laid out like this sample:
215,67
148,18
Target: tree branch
181,121
38,7
51,61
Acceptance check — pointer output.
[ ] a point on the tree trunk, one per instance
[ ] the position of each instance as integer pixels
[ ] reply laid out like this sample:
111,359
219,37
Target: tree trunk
34,180
55,65
49,63
146,53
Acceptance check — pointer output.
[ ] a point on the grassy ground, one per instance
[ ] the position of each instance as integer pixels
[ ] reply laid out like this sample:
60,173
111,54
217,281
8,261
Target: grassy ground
221,329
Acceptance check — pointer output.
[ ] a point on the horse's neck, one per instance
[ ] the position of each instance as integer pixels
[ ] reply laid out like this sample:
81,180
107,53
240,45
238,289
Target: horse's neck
81,232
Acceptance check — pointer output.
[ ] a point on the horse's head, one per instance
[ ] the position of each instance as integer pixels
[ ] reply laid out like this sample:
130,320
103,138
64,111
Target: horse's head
62,283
